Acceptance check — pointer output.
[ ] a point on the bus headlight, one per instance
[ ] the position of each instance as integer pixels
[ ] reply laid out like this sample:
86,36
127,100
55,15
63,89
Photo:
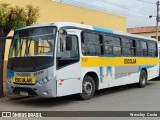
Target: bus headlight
41,82
44,80
48,78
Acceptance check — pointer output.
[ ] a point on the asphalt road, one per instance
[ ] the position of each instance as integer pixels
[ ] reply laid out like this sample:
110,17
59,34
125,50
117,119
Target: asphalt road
123,98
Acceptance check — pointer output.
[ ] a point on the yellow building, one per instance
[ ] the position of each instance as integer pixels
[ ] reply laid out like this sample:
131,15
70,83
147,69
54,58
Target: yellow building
149,31
51,11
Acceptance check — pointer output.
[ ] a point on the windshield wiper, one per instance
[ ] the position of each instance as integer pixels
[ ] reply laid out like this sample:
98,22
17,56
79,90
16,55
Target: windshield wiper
27,52
20,49
16,54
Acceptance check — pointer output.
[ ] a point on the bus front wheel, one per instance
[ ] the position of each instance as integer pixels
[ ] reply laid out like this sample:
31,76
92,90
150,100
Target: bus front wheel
88,88
142,79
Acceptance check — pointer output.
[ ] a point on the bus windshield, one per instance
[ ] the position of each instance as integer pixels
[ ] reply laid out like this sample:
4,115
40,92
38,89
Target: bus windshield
33,42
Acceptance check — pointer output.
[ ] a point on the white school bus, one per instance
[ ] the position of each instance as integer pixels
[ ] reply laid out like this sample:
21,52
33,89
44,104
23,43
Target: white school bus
63,58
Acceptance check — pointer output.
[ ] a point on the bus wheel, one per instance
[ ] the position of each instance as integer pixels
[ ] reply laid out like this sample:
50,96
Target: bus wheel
88,88
142,79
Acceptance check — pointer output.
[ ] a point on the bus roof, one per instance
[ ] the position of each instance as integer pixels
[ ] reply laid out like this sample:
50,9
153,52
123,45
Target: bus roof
83,26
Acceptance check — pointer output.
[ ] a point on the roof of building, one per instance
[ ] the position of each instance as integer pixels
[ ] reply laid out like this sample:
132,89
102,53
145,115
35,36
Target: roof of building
137,30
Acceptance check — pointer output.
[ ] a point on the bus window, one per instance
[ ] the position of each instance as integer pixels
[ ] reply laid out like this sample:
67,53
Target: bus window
129,47
144,48
116,46
133,47
108,45
91,44
126,47
64,56
152,49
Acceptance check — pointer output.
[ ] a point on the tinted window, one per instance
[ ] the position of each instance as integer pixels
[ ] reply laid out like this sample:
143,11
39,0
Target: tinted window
152,49
112,46
91,44
143,46
128,48
63,53
67,50
108,43
116,46
138,49
133,47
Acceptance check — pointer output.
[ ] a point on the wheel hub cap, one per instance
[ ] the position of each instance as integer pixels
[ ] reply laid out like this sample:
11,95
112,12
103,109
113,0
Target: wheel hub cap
87,88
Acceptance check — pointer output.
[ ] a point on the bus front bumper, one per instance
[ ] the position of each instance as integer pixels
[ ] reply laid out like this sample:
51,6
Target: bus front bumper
46,90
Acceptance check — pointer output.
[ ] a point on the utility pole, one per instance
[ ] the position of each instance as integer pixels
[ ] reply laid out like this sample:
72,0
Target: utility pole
2,51
157,20
2,44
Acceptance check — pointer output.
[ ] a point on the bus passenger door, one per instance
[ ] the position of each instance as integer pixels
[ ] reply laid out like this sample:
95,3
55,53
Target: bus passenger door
68,65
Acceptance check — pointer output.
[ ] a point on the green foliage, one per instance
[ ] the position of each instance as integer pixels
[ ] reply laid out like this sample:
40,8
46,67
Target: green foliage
12,18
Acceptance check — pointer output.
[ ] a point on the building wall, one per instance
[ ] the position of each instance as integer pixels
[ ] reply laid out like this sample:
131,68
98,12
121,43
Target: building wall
57,12
150,34
147,34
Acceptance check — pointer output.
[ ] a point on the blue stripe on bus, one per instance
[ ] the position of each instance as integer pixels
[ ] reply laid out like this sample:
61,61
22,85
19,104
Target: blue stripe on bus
101,74
108,70
102,30
147,67
20,28
10,73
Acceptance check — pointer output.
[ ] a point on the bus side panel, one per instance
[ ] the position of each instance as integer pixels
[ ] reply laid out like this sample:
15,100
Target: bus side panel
153,72
106,76
120,75
69,80
68,87
126,74
110,76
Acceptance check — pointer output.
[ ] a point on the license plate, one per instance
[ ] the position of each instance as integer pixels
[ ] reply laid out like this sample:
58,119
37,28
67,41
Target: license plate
23,93
23,80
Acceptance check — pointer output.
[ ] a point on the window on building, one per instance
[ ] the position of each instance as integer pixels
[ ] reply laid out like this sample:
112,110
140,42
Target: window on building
155,37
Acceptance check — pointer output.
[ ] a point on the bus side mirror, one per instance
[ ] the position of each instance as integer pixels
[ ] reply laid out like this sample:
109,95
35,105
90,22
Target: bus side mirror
68,43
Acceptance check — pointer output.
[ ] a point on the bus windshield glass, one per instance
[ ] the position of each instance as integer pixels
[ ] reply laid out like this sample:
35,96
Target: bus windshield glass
38,41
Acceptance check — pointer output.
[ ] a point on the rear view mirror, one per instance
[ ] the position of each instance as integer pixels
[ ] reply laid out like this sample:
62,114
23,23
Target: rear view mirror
68,43
63,32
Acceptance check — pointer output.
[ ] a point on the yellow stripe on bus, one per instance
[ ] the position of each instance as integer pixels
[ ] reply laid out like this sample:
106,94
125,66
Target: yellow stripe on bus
117,61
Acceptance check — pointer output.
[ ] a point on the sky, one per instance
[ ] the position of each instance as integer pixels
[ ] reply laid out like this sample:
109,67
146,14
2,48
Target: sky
137,12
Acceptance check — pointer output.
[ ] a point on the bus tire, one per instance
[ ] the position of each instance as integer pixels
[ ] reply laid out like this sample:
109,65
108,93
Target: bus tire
142,79
88,88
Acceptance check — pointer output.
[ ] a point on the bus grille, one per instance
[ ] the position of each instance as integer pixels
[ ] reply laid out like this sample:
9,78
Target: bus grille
30,91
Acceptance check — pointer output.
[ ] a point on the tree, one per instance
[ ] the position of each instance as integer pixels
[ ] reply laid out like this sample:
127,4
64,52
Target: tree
12,18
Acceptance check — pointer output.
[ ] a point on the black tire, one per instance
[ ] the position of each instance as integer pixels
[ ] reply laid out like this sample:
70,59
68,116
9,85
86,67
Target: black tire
88,88
142,79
